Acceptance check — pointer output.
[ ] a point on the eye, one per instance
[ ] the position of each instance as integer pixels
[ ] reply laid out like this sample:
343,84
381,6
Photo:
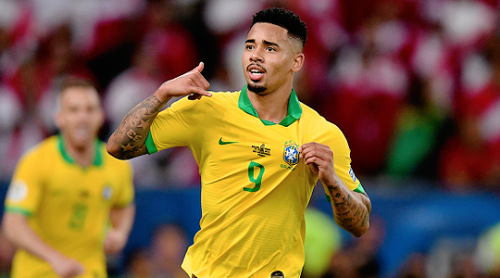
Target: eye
249,47
271,49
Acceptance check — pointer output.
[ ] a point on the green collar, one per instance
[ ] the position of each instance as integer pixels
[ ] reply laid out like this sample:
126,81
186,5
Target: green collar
294,110
69,159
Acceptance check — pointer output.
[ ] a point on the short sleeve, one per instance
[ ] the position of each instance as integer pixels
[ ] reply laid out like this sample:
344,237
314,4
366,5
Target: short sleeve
26,187
342,159
175,126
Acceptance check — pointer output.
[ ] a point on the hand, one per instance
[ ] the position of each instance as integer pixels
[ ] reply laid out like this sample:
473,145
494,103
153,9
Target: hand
114,242
67,267
319,157
192,83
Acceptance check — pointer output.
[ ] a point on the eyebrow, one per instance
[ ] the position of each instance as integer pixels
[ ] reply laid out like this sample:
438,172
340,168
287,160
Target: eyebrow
268,43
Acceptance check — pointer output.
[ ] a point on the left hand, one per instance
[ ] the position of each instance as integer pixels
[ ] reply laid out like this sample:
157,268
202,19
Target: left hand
319,157
114,242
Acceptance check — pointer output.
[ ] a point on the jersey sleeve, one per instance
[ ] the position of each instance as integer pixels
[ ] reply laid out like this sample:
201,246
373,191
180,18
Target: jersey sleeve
175,126
342,159
25,189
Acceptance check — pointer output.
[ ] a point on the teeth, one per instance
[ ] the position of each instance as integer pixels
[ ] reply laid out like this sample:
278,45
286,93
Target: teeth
255,71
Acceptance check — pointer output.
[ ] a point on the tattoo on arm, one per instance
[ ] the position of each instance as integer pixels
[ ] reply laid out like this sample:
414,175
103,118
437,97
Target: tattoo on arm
133,130
351,209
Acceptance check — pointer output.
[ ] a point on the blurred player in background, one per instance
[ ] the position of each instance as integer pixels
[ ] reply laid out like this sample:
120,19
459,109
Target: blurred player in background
260,153
69,202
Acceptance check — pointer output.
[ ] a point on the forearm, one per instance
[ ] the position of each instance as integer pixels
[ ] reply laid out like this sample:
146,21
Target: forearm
122,219
129,138
351,209
18,232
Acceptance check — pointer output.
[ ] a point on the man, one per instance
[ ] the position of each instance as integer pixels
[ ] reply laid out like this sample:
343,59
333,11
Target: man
69,201
260,153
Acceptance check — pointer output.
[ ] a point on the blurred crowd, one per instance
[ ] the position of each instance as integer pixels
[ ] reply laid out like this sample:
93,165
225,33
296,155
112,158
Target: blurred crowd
413,84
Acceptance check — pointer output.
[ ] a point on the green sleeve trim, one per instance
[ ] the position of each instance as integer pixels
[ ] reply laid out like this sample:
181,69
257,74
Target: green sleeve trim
18,210
150,144
360,189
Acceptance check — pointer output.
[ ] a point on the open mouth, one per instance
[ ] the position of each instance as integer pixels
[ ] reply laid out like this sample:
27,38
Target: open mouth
255,73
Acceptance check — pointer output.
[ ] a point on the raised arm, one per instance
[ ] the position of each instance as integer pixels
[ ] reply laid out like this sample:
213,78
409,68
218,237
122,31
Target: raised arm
128,140
351,210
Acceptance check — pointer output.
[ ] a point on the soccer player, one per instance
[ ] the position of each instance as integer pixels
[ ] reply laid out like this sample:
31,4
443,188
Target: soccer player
260,153
69,201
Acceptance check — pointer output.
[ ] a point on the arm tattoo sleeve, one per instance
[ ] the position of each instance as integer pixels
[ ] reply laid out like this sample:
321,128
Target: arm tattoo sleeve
132,132
351,209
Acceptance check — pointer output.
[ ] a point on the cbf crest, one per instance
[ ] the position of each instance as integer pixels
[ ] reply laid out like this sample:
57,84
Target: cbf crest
291,153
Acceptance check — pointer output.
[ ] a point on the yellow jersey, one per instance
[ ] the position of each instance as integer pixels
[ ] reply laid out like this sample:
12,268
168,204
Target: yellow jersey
255,188
67,205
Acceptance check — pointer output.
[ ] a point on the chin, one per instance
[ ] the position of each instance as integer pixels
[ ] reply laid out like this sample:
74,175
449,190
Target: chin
256,88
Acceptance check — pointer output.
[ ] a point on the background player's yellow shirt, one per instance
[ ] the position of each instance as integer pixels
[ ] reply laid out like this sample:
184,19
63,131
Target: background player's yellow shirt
67,205
255,188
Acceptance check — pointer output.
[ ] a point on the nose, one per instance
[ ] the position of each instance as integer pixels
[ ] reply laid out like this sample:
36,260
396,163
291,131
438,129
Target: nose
256,56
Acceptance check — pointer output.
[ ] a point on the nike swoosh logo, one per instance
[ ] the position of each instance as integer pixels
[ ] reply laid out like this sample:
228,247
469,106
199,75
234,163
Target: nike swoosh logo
226,142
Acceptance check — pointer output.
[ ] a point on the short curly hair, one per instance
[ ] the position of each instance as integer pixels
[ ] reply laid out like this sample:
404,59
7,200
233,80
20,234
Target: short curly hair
284,18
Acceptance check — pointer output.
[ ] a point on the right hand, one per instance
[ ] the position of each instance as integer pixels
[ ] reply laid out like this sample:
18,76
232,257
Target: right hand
192,83
67,267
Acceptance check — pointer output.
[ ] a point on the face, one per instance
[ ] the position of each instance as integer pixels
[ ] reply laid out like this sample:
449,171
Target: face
80,116
270,58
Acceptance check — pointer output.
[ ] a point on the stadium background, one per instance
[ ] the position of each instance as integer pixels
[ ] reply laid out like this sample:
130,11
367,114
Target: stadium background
414,85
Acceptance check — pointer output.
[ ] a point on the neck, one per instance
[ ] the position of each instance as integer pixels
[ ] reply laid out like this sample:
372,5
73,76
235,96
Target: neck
82,155
271,106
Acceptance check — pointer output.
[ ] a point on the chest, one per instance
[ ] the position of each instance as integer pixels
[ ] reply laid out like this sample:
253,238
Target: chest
70,183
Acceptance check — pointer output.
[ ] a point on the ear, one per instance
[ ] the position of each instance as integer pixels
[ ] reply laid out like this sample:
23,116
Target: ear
59,119
298,62
102,117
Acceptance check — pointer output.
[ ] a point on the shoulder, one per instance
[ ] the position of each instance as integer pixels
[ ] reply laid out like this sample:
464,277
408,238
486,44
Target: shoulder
47,147
320,129
314,120
217,99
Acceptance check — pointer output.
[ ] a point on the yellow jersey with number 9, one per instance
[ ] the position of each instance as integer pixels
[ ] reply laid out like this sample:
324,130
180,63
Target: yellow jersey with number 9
255,187
67,205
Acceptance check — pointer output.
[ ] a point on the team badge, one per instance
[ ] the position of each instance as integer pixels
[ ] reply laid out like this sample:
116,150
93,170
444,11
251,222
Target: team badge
107,191
291,153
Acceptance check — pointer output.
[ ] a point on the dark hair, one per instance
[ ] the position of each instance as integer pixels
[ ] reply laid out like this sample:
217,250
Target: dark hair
283,18
74,81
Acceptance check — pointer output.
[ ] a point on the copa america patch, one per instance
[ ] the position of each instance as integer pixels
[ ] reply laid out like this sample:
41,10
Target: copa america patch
353,176
291,153
18,191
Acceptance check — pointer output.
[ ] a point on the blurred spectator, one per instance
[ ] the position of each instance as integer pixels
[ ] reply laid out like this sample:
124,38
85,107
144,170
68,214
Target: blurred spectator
370,88
168,40
466,161
472,155
487,255
322,241
413,267
138,265
359,258
163,257
30,88
414,148
125,90
10,118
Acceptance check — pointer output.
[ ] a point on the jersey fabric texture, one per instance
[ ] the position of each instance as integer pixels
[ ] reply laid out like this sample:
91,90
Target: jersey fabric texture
255,188
67,205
